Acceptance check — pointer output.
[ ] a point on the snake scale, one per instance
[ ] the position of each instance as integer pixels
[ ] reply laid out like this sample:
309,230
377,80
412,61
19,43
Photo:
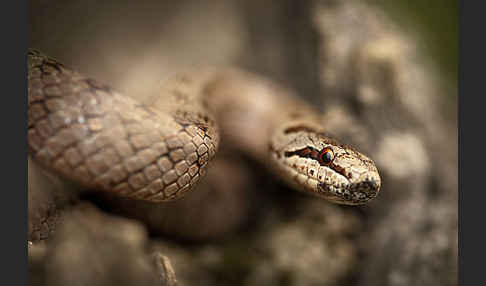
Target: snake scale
157,150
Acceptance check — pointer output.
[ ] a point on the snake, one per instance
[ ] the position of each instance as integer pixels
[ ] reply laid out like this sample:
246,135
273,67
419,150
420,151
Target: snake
158,149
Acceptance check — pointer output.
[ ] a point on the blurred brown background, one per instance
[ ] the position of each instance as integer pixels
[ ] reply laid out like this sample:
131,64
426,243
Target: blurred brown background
387,70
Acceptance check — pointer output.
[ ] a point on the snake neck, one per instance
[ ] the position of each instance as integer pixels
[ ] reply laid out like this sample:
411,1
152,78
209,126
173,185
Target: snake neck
279,130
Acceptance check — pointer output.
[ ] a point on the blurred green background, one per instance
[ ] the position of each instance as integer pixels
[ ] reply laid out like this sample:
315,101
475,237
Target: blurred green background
436,22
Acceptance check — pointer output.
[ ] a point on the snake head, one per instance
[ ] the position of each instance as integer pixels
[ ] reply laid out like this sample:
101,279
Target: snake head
318,164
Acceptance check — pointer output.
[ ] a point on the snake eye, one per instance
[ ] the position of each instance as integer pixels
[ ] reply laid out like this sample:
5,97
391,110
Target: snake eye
326,156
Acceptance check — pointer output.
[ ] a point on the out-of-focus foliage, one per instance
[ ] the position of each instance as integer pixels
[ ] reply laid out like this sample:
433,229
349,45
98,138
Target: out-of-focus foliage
436,22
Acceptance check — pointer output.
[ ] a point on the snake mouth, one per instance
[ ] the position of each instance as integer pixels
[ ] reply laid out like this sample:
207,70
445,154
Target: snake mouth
353,193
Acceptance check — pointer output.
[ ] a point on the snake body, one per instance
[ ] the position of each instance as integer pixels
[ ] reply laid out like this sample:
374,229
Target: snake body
159,149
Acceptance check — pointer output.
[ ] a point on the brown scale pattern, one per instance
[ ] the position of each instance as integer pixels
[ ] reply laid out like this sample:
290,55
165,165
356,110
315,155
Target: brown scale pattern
94,136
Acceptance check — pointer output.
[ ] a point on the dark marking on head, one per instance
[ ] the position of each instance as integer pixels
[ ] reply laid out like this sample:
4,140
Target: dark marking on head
305,153
299,128
315,154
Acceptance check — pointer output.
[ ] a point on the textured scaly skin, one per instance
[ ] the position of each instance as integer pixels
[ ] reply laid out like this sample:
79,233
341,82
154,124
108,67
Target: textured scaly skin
158,150
92,135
